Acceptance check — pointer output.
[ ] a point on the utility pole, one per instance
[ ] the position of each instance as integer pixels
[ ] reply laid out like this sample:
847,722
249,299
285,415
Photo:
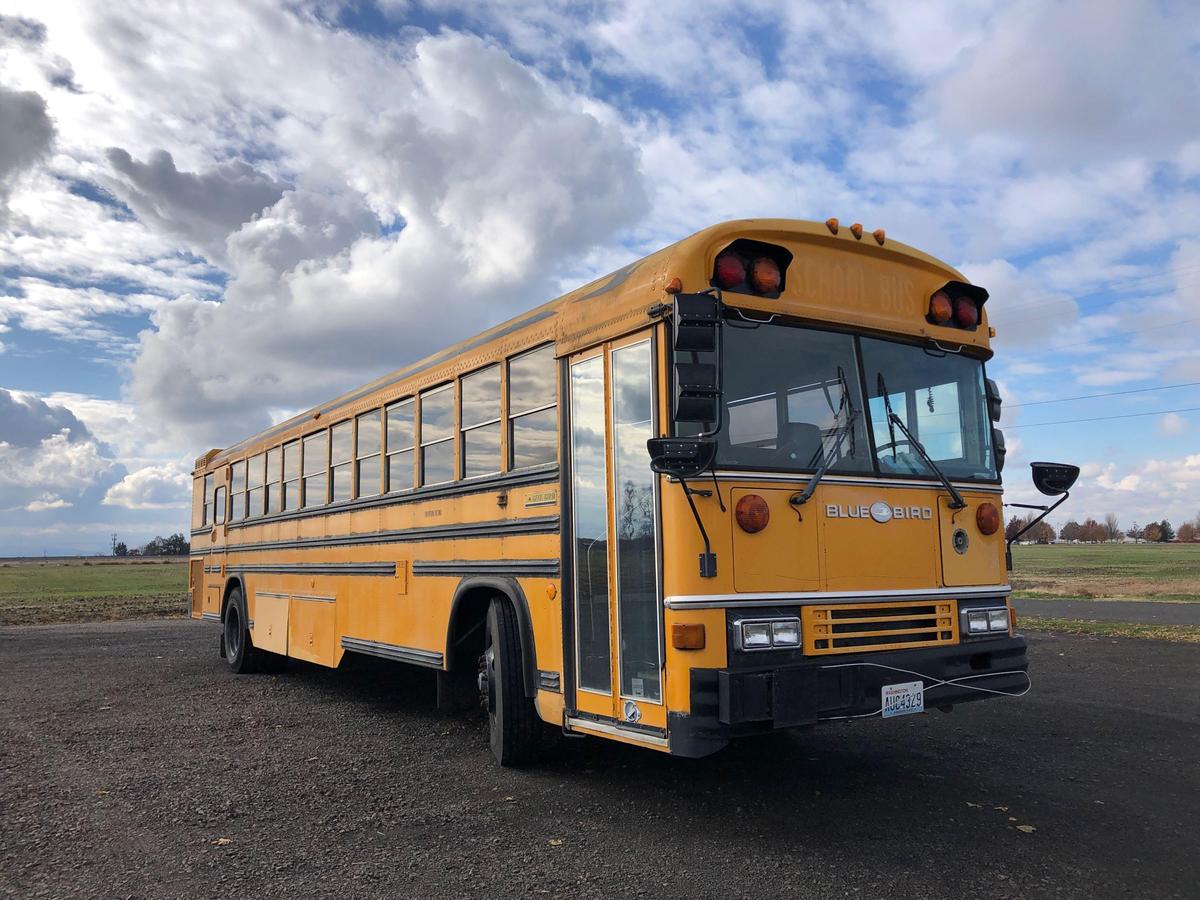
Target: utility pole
114,544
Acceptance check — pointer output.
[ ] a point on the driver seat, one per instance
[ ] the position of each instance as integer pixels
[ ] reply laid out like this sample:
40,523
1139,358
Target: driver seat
801,444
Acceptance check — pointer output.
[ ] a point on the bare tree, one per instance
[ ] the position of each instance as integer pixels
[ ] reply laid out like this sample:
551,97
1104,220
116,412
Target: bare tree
1112,526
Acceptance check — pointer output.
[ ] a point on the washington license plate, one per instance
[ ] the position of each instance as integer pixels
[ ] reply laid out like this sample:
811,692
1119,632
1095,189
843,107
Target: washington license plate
903,699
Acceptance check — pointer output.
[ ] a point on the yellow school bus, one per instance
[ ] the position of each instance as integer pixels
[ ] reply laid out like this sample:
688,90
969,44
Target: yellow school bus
749,482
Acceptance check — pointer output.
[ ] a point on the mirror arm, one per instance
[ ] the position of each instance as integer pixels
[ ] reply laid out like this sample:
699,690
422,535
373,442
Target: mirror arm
1046,510
708,559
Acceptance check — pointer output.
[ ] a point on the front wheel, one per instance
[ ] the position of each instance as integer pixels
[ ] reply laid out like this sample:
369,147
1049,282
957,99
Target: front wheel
513,723
239,649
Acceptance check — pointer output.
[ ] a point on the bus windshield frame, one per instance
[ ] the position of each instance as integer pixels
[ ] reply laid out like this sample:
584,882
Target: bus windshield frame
829,378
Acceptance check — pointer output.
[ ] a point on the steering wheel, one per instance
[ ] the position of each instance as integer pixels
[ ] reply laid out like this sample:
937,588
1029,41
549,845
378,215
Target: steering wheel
892,446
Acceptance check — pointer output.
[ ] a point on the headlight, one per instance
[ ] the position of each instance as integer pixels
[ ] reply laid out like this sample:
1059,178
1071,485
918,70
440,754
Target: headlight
765,634
977,621
756,635
993,620
785,633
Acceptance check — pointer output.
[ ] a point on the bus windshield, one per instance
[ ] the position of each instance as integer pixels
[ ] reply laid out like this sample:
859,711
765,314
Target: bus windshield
794,399
940,398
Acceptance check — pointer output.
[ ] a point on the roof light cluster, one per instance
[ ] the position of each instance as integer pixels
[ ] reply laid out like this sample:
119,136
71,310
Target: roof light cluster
957,305
751,267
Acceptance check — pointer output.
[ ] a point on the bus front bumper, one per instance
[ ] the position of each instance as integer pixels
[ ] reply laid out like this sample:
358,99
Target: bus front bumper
746,700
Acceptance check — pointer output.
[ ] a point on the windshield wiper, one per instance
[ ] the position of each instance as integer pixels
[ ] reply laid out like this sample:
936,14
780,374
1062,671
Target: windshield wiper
958,502
847,429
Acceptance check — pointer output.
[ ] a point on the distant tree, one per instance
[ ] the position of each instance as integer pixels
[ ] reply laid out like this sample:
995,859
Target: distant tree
1187,533
175,545
1112,526
1015,524
1043,533
120,549
1152,532
1071,531
1092,531
1165,531
1136,532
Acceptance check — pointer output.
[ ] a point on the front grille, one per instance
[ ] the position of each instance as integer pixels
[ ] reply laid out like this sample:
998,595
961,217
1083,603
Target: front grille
878,626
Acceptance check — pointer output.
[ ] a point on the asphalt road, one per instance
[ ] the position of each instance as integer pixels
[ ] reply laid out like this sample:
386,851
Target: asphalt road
1141,612
134,764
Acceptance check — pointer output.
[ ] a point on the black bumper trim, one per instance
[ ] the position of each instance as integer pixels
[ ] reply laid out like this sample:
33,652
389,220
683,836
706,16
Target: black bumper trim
729,703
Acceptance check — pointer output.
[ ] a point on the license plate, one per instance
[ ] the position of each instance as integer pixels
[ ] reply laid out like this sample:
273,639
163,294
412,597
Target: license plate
903,699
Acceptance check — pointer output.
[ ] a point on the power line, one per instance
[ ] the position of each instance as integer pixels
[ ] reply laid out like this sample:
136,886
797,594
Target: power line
1160,412
1162,387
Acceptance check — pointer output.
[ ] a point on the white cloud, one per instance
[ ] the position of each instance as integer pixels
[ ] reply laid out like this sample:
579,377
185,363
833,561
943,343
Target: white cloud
154,487
47,502
25,137
1172,424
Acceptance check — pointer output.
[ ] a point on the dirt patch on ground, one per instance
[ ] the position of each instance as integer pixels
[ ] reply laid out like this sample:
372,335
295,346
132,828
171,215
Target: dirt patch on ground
90,609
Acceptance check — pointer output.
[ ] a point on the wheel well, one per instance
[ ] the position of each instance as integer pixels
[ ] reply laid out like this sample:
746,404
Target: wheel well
230,584
468,617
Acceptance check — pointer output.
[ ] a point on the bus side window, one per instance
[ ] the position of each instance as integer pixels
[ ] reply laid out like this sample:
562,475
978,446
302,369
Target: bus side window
532,409
237,495
254,480
314,462
437,435
341,441
401,438
274,475
219,506
208,500
291,475
479,418
367,471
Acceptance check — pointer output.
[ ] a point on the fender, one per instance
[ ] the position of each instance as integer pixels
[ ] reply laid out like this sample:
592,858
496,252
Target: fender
229,583
512,590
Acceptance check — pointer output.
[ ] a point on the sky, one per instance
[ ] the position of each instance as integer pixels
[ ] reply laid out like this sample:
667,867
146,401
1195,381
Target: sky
214,215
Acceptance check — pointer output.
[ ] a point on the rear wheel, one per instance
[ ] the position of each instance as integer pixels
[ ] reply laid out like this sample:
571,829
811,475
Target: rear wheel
239,649
513,723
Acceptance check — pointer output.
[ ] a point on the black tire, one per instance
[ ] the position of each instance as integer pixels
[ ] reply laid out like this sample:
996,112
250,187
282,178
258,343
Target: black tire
513,723
239,649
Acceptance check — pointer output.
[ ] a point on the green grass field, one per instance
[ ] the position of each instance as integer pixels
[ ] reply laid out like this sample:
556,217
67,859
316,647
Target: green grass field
1108,571
81,590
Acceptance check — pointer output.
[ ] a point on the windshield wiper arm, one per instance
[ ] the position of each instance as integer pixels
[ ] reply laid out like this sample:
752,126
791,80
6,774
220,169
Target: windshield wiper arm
840,435
958,502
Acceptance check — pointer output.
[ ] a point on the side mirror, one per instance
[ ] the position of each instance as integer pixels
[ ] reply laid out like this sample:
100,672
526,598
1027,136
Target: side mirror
696,393
695,320
994,402
686,456
1001,450
1053,479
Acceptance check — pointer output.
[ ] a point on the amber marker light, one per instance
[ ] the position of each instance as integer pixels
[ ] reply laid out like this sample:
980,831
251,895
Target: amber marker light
880,236
674,286
832,225
687,636
752,513
987,518
940,308
764,275
856,230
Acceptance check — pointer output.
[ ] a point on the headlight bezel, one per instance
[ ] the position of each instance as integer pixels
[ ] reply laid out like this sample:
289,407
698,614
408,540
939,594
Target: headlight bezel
775,630
996,621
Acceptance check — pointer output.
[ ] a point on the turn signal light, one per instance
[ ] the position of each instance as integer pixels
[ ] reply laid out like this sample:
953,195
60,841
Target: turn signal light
987,518
752,513
687,636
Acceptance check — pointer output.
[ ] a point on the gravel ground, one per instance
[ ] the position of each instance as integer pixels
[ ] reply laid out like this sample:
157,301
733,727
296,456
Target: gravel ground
134,764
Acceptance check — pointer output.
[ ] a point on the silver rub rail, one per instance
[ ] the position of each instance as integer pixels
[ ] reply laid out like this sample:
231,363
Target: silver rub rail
813,598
